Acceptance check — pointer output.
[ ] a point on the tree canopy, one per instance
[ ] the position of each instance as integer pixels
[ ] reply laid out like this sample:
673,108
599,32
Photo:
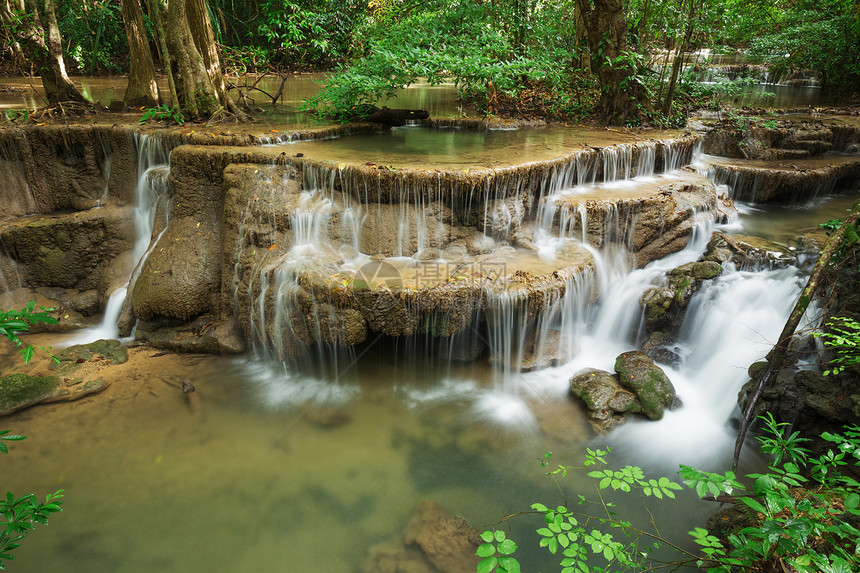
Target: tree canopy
608,59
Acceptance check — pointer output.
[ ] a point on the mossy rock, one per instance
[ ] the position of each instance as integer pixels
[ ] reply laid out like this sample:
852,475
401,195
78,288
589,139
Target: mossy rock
112,350
17,391
638,373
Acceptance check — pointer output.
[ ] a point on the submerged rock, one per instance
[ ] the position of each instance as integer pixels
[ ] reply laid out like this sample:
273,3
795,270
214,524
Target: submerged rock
432,542
111,350
19,391
204,334
542,350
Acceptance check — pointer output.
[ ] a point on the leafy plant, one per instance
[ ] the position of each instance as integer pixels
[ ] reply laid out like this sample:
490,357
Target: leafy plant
14,321
162,113
843,337
799,511
21,514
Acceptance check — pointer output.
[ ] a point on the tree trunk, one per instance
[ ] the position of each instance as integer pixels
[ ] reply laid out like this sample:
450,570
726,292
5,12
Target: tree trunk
579,37
142,90
194,60
679,59
643,29
44,44
194,89
156,9
8,21
204,39
622,97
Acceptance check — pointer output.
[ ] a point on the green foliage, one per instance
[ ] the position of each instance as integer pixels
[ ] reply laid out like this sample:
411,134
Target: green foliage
823,36
21,514
18,115
14,321
843,338
93,35
496,553
472,44
162,113
800,514
293,33
804,522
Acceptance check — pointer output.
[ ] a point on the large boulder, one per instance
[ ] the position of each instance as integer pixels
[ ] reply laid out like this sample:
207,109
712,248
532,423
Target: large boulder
638,373
608,403
665,304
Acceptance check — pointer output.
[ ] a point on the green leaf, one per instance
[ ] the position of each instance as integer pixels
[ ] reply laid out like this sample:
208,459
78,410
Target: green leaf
487,536
510,564
852,501
754,504
487,565
486,550
507,547
499,535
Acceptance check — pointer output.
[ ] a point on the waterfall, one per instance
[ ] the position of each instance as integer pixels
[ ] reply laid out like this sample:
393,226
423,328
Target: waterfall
732,321
152,175
10,276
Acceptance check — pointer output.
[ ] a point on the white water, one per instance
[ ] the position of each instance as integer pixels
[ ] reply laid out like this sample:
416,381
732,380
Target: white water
152,170
730,323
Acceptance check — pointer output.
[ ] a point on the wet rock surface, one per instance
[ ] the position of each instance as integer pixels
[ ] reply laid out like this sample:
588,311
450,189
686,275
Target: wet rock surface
68,251
755,138
111,350
67,318
203,334
665,304
800,394
638,387
20,391
638,373
607,402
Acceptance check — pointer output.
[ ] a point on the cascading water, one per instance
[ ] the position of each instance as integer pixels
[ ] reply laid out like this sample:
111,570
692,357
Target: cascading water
152,172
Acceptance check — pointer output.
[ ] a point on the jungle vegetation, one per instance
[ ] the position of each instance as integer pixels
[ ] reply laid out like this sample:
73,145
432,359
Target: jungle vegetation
613,60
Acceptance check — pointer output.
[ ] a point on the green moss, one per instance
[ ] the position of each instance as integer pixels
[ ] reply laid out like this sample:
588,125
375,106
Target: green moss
682,288
18,390
112,350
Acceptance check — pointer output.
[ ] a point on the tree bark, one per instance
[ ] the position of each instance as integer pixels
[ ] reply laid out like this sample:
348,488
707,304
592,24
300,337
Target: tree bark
194,61
679,59
776,357
194,89
204,39
44,44
622,97
142,90
156,9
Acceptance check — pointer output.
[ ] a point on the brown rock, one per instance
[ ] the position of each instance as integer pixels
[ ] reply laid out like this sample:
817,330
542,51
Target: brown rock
448,542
